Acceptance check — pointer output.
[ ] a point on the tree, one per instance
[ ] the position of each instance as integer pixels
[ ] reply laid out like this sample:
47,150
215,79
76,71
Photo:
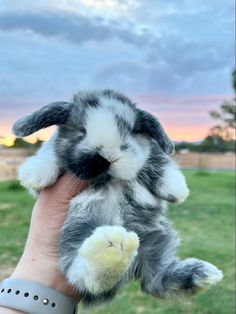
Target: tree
21,143
226,115
215,143
234,80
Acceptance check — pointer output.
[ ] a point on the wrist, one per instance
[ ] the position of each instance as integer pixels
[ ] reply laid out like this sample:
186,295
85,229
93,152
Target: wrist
33,297
45,272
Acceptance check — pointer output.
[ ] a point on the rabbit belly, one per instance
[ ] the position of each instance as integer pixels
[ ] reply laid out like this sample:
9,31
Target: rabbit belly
93,242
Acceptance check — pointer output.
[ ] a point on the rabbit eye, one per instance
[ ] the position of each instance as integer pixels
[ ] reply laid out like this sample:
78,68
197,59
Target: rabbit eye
82,132
136,130
124,146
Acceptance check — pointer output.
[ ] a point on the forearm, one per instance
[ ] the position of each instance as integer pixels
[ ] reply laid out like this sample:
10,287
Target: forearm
39,262
4,310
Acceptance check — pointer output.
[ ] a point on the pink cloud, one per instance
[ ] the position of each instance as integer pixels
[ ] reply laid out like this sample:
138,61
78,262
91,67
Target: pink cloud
184,118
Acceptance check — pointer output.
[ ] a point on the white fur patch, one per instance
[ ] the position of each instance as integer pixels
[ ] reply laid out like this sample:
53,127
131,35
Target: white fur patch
132,160
42,169
102,129
143,196
106,200
174,183
77,272
122,110
86,197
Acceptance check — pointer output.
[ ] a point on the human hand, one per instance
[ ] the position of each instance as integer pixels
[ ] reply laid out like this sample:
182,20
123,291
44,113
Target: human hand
39,261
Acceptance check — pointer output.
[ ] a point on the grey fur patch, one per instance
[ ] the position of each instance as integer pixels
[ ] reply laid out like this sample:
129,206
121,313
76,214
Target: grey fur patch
72,236
87,99
147,124
123,126
152,173
54,113
111,94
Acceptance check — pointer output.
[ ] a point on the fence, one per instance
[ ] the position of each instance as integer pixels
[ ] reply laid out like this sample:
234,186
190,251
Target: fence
211,161
11,159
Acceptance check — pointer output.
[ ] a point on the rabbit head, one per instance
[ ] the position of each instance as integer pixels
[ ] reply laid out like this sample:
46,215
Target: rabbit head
99,133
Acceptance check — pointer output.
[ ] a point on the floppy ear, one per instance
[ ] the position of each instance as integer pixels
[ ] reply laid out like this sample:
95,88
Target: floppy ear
54,113
148,124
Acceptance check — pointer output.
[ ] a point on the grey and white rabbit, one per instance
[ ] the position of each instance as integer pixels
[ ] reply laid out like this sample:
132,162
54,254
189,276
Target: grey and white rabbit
116,229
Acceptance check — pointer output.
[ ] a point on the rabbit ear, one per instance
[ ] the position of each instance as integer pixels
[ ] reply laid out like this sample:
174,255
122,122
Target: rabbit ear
148,124
54,113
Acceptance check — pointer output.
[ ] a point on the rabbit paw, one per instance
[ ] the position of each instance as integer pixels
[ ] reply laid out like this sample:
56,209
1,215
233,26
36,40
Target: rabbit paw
36,174
174,187
106,255
206,276
194,275
188,277
110,245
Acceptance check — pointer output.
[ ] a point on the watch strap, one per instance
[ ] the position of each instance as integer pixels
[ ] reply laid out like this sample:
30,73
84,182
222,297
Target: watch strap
34,298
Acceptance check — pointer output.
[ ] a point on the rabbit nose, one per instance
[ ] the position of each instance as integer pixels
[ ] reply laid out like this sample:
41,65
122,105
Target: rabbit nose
88,165
101,163
93,166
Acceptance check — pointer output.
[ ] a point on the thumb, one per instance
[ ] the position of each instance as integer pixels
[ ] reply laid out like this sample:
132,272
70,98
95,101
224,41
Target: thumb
54,200
67,186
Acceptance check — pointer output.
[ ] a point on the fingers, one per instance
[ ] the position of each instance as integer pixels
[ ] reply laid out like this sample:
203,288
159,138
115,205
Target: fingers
69,185
51,208
66,187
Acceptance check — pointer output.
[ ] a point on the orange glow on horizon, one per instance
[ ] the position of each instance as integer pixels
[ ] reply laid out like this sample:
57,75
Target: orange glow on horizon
7,141
187,133
178,133
184,118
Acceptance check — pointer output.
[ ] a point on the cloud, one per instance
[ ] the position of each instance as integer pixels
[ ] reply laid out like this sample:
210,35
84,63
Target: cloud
190,55
166,78
50,49
125,75
68,26
109,8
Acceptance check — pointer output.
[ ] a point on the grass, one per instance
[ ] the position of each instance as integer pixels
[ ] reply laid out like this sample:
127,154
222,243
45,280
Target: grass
205,223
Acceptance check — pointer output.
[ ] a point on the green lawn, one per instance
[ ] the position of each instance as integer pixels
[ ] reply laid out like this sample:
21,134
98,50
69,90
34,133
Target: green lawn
205,223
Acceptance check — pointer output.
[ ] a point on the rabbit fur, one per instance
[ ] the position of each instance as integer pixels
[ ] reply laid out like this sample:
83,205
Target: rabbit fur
116,230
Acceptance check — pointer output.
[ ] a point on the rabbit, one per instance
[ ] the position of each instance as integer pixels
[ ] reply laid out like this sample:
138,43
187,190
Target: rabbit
116,229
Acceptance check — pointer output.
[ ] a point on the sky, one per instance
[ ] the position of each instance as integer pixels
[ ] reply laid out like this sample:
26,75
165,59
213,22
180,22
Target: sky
173,58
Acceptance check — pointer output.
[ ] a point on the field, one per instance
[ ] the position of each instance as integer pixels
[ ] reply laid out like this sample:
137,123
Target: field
205,223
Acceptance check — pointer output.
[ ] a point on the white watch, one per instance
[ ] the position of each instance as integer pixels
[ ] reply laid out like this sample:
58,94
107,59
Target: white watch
34,298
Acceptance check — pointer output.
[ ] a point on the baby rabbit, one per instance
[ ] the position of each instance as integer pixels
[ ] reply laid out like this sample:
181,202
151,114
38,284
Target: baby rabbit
116,229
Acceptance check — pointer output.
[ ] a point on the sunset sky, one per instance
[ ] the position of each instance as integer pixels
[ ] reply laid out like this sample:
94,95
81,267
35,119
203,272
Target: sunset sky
174,58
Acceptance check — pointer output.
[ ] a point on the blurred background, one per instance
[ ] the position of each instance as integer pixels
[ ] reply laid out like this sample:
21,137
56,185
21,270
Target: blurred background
175,59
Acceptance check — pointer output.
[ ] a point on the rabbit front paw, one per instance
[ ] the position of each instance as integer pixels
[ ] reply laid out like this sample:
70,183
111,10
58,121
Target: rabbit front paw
36,173
174,188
